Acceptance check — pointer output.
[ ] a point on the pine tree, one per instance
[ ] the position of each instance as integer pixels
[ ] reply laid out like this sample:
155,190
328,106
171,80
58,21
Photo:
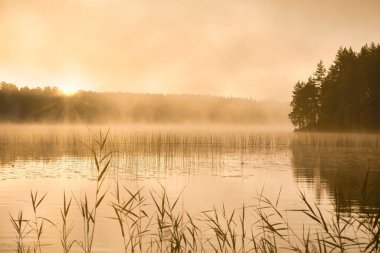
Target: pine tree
320,74
345,98
297,114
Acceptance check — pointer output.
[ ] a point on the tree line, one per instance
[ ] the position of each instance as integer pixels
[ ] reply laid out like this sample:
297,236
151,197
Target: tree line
50,105
346,97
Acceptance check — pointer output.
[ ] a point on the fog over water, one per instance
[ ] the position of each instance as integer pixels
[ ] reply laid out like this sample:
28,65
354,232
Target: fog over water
211,165
189,126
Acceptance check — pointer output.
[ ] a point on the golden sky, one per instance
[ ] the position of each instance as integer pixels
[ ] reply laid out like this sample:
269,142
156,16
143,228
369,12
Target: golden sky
243,48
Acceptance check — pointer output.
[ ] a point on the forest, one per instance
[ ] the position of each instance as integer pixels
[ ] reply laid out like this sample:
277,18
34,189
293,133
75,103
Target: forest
346,97
49,105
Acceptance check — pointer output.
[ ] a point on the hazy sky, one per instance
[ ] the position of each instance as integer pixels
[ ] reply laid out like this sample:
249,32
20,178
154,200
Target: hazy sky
248,48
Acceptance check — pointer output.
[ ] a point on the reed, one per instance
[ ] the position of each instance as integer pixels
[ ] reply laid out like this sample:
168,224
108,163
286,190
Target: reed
20,225
66,228
34,226
37,224
132,218
149,221
89,212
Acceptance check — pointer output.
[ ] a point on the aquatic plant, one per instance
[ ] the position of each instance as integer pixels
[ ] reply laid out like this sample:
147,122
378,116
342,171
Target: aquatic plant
152,222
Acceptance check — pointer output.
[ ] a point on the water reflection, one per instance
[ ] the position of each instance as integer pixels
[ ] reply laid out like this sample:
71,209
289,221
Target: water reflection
225,167
341,171
332,164
140,154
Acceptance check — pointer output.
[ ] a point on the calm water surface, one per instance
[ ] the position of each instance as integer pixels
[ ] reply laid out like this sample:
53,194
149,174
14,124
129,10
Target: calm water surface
212,166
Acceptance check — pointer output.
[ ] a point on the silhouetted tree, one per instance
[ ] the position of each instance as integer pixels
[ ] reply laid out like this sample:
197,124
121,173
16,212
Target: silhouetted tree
348,95
305,105
319,75
50,105
297,115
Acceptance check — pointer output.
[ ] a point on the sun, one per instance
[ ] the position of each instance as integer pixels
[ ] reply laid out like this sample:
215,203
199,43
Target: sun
71,84
69,90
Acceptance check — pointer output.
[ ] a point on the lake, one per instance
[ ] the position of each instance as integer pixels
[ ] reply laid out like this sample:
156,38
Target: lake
224,167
